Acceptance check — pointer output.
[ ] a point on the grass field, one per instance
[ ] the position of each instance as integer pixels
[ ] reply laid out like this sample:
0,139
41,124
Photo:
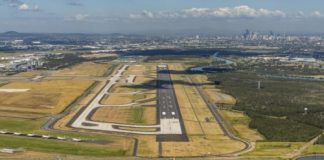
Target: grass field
116,146
139,129
315,149
137,115
60,147
33,126
31,73
27,112
123,90
143,79
20,125
202,146
43,97
147,146
215,95
144,73
239,122
136,70
83,69
274,149
61,124
129,115
145,76
120,99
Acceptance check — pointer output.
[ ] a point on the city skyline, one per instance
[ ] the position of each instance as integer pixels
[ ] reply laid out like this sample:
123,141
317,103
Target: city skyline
161,17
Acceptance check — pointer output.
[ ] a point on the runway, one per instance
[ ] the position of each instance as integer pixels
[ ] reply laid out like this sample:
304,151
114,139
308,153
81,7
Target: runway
167,103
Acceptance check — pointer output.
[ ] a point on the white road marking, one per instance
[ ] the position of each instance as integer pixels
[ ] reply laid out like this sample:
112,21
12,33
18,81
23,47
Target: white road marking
14,90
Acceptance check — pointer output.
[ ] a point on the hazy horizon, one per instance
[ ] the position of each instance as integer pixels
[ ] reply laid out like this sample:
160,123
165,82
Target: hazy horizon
161,17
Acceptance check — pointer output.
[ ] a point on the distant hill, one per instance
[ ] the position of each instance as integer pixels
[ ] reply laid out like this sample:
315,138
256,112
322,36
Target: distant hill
10,33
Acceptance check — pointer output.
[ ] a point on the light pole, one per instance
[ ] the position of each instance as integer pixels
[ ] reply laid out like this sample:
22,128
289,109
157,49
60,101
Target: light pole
305,110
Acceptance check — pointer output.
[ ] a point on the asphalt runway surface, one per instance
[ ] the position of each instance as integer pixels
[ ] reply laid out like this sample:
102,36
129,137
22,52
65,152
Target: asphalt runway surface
166,98
172,128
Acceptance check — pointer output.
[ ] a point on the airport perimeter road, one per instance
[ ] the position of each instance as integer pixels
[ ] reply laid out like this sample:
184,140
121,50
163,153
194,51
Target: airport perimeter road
167,103
213,109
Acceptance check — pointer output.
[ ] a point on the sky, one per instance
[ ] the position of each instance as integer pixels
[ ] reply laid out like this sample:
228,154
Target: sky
162,16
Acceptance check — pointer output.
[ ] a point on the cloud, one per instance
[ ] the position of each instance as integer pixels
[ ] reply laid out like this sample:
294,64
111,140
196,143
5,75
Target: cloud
237,12
300,14
81,17
224,12
74,3
13,3
21,6
26,7
317,14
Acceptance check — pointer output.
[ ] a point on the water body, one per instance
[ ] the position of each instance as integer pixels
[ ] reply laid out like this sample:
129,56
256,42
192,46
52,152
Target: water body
210,68
312,158
227,62
198,69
